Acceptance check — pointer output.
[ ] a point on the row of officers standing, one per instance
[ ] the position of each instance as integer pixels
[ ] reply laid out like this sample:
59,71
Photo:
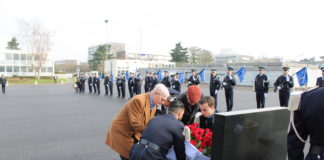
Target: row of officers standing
283,84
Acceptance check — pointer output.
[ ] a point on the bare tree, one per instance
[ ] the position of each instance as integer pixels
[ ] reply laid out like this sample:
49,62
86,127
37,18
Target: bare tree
38,42
205,56
193,54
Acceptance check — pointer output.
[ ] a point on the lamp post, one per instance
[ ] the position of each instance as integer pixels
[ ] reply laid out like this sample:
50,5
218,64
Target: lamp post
107,47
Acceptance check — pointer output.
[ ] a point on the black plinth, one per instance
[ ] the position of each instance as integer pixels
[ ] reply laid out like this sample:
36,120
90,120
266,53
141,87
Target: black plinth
258,134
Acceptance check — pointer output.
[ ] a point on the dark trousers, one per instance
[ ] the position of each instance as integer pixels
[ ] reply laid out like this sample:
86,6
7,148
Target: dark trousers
260,99
147,89
90,88
141,152
94,89
98,88
311,156
137,89
131,91
284,98
82,88
111,89
106,89
121,88
212,93
3,87
229,99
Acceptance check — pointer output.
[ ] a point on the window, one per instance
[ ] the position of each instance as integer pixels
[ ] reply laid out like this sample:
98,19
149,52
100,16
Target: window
8,56
49,69
2,69
23,57
29,57
30,69
16,68
43,69
16,56
23,69
9,68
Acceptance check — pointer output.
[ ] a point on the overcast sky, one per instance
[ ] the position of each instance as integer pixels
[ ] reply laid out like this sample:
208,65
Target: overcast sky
286,28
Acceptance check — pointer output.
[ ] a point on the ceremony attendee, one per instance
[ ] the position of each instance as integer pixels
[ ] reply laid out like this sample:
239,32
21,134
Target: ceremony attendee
154,80
148,82
111,84
320,80
106,83
97,81
309,122
3,81
190,100
284,83
193,79
94,83
228,84
90,82
138,83
127,127
161,133
214,85
131,84
261,85
121,80
166,79
175,83
206,115
162,109
82,83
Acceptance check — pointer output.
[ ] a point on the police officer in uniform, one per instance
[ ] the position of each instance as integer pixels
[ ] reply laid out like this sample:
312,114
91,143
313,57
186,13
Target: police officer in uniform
148,82
82,83
193,79
309,121
111,84
3,83
175,83
90,83
97,81
94,83
162,109
131,84
214,85
320,80
284,83
154,80
138,84
166,79
161,133
121,85
228,84
261,84
106,83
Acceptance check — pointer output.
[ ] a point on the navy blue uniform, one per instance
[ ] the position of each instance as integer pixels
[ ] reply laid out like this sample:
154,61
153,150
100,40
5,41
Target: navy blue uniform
228,84
320,81
163,131
90,84
148,84
214,87
193,80
131,85
309,121
120,82
261,84
284,93
82,84
94,84
106,84
96,81
176,85
3,84
166,81
138,84
154,82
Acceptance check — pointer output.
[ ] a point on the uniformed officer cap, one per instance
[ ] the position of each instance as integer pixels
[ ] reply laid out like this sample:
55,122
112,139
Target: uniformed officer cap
177,73
230,68
285,68
122,73
166,72
322,68
173,91
193,70
261,68
154,73
148,72
213,70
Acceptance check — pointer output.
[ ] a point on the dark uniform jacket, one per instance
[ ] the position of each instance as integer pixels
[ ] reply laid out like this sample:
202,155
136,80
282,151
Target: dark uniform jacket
106,81
90,81
154,82
261,83
320,81
193,80
166,81
284,84
190,110
120,81
215,83
131,82
3,81
148,82
309,121
176,85
229,83
165,131
138,81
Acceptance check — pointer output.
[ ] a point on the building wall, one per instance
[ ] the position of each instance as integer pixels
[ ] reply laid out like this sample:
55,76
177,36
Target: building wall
19,63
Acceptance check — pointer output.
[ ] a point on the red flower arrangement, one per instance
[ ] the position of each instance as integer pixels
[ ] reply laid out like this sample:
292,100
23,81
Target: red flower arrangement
201,138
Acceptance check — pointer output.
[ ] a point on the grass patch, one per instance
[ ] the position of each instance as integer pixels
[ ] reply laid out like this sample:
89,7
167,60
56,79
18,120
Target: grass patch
24,80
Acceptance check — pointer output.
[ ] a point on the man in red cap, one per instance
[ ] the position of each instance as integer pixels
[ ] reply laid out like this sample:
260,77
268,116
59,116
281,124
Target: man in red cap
190,99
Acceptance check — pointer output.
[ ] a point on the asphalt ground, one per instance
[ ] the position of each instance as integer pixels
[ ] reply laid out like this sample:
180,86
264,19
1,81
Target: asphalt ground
53,122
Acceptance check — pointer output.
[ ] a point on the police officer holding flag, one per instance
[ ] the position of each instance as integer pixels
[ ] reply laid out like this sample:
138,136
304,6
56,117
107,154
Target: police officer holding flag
261,85
284,83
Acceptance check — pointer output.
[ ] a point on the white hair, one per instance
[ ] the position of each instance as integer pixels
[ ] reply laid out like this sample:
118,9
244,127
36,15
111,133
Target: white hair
161,89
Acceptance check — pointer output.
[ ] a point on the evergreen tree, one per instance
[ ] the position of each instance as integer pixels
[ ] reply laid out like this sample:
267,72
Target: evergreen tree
13,44
179,54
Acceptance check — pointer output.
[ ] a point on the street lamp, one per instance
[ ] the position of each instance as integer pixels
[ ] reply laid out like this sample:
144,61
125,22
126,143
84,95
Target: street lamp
107,52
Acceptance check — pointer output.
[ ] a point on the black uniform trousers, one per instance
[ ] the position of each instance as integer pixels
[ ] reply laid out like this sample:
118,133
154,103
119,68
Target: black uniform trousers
147,89
106,89
3,87
121,88
229,99
131,91
260,99
138,151
212,93
284,98
111,88
90,88
94,88
98,87
137,89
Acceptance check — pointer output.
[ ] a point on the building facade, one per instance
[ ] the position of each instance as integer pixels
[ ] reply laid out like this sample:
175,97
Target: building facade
115,49
233,58
20,63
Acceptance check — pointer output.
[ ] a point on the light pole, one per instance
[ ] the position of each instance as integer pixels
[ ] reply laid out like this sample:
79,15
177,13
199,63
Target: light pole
107,47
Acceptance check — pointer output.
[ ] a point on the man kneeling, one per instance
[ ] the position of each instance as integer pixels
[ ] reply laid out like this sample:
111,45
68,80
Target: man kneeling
160,134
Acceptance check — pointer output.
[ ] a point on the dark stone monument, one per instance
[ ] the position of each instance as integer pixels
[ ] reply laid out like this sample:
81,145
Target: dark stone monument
257,134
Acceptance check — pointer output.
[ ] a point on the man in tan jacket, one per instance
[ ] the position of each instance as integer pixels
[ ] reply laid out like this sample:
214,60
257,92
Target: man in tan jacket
127,127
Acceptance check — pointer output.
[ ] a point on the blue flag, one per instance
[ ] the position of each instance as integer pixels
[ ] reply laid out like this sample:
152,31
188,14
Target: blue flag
241,74
127,75
202,75
181,77
112,77
302,76
159,74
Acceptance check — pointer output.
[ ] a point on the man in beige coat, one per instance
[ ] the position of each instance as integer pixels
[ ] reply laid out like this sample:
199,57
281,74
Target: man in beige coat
127,127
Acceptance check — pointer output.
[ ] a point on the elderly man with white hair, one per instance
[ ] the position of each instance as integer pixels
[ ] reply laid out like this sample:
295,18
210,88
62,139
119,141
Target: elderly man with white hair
127,127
